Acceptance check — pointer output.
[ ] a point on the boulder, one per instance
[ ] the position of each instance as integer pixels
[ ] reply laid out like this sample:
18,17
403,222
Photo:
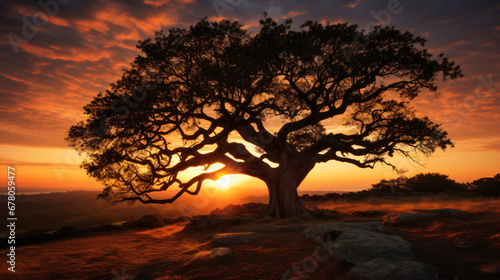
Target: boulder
358,246
198,223
147,221
216,254
222,220
465,245
492,268
495,236
204,222
425,217
236,238
410,219
382,269
221,252
452,213
374,254
321,230
329,215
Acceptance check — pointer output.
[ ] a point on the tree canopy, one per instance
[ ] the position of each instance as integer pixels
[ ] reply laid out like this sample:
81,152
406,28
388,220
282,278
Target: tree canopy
423,182
210,95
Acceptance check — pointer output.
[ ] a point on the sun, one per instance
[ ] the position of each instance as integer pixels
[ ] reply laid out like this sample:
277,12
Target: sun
223,182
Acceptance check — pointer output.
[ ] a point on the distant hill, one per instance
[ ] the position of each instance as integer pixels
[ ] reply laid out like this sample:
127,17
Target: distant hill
50,211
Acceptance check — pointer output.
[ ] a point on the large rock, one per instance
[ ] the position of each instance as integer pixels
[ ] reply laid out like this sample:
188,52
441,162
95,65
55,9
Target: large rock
236,238
410,219
198,223
374,254
323,231
221,252
452,213
491,268
382,269
223,220
495,236
147,221
216,254
357,246
325,214
204,222
425,217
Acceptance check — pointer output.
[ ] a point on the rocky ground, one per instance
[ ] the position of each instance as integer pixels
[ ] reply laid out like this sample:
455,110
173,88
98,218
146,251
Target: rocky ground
232,244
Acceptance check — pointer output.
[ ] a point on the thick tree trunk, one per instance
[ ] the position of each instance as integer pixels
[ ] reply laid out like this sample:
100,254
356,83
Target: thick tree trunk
284,201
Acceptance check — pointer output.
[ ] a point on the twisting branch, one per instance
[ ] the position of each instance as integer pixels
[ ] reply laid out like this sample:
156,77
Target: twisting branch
194,97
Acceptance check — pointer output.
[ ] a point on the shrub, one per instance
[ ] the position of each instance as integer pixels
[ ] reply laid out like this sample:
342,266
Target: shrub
390,186
434,183
487,186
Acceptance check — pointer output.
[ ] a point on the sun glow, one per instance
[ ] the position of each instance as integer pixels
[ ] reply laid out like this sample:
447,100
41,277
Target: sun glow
224,182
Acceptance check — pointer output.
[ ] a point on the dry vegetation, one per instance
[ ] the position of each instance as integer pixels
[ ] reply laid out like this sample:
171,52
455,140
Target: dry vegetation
163,254
410,204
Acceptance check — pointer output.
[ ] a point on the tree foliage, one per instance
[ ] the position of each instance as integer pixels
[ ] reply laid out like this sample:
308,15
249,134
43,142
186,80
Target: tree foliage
433,182
437,183
391,186
203,96
487,186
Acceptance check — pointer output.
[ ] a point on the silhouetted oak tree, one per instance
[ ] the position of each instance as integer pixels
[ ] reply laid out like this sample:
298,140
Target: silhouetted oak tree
206,95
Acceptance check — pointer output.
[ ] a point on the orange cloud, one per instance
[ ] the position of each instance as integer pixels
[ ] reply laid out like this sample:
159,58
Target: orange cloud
337,21
59,21
352,5
292,14
86,53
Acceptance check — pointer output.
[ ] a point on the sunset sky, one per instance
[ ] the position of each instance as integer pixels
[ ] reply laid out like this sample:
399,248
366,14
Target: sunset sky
78,47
